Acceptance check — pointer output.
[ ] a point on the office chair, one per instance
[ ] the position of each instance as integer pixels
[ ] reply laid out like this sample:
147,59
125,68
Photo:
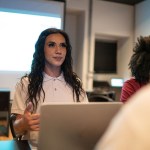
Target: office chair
12,118
99,98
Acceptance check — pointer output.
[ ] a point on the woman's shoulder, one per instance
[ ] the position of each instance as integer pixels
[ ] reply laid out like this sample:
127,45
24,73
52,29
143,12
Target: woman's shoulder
23,81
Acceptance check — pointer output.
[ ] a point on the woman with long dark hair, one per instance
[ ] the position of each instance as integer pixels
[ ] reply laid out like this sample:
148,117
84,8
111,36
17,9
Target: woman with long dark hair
51,80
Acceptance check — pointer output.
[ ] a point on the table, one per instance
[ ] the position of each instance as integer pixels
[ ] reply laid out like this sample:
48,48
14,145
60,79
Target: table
15,145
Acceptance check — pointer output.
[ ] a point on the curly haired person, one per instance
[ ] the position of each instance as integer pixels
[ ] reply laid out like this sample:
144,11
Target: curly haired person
140,68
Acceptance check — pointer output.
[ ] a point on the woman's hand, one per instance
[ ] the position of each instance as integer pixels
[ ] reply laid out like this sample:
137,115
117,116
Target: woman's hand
29,120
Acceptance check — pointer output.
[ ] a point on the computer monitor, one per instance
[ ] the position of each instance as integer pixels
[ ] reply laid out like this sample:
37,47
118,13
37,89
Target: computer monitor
117,82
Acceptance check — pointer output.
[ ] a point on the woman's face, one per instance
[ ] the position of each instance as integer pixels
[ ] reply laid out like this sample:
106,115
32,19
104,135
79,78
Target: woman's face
55,51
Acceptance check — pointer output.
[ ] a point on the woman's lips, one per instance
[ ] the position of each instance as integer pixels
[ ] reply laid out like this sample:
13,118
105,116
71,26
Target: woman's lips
58,58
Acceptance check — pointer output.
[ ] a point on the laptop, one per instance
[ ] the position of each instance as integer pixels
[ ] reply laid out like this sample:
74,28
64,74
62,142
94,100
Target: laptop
74,126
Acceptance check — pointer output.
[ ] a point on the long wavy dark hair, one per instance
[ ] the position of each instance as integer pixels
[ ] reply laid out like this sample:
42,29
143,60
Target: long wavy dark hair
38,63
140,60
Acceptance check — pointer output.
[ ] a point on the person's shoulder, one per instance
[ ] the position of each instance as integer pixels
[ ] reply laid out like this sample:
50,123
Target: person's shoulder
144,93
132,81
23,81
140,100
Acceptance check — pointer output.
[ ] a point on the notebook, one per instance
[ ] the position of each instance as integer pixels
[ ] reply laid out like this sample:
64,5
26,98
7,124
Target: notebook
76,126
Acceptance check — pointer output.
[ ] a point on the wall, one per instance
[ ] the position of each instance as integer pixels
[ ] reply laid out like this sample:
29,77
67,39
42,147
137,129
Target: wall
142,19
77,24
109,20
112,21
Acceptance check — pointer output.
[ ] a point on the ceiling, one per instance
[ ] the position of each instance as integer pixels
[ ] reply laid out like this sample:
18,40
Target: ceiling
128,2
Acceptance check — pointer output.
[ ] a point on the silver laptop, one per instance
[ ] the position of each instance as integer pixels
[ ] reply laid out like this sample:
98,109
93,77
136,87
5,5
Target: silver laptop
76,126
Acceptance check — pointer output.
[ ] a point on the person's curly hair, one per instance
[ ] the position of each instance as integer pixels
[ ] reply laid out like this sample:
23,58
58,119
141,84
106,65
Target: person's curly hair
36,75
140,60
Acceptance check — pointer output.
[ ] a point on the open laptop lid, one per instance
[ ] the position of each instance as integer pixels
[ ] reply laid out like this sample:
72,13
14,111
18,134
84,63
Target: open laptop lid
76,126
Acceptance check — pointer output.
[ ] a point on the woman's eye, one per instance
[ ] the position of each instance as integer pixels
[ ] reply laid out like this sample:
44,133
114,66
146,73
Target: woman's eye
51,44
63,45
